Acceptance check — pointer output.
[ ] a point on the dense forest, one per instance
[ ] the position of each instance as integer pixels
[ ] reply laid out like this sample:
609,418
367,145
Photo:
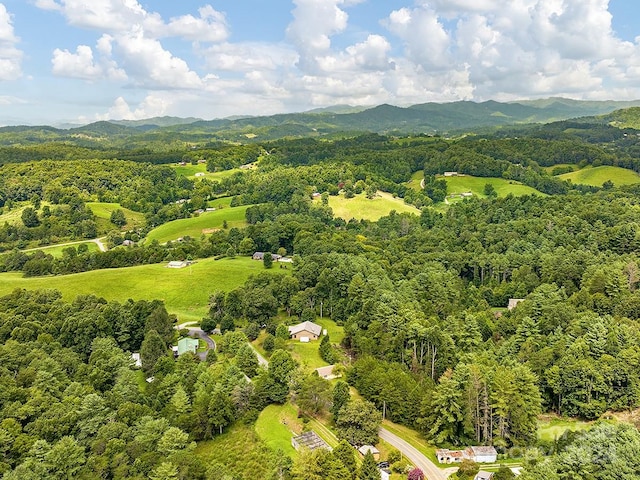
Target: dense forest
421,299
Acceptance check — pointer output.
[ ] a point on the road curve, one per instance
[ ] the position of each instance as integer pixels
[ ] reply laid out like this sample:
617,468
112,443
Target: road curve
415,456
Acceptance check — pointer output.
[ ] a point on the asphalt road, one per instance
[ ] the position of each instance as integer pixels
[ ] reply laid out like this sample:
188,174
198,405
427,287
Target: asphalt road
431,471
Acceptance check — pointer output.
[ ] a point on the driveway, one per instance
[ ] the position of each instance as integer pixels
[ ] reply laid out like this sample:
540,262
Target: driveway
199,333
431,471
263,362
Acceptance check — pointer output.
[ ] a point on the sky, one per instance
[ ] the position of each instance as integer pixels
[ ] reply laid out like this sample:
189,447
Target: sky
79,61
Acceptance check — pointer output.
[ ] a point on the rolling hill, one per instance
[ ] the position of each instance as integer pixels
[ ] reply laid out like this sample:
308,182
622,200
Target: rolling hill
596,176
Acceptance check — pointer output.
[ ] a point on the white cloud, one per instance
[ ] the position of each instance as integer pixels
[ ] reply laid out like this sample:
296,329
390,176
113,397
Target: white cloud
211,26
82,65
10,55
151,106
245,57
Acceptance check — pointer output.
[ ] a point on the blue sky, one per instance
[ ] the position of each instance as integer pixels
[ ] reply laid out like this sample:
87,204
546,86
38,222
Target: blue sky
79,61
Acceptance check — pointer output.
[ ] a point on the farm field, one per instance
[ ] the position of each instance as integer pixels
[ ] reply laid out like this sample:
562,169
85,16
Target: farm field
185,291
103,211
362,208
475,185
196,226
596,176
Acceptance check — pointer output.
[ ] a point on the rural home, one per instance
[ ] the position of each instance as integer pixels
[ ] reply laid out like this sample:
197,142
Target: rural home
513,302
187,344
369,448
308,330
260,256
327,372
482,475
450,174
309,440
179,263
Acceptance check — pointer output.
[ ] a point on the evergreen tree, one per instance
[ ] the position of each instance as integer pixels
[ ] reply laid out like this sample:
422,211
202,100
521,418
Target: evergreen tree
369,468
341,397
247,360
325,349
153,348
346,454
267,260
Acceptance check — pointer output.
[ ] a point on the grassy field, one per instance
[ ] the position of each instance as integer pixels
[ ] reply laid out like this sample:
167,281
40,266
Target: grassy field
103,211
362,208
276,425
239,450
475,185
185,291
12,216
190,171
552,428
196,226
416,178
596,176
56,250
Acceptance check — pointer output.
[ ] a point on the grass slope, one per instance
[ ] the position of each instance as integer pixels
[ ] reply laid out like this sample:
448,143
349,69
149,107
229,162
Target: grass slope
56,250
362,208
276,425
103,211
551,429
185,291
190,171
416,178
475,185
596,176
196,226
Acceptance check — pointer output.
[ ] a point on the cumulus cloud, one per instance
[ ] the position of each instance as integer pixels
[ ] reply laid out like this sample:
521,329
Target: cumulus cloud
210,26
151,106
81,64
10,55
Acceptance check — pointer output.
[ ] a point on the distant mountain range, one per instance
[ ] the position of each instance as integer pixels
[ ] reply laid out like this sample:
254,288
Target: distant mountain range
428,118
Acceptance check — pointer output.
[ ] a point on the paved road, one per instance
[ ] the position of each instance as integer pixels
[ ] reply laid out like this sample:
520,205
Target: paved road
431,471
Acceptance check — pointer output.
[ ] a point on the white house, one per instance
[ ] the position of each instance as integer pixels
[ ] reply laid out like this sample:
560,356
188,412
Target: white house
308,330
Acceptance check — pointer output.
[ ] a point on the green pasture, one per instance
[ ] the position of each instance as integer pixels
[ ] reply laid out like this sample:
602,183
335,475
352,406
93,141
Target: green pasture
475,185
596,176
57,250
190,171
12,216
202,224
220,202
362,208
415,181
276,425
103,211
553,428
185,291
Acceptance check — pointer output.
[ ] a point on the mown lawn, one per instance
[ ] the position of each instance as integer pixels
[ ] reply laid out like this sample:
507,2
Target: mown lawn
596,176
307,354
185,291
550,429
190,171
362,208
276,425
475,185
204,223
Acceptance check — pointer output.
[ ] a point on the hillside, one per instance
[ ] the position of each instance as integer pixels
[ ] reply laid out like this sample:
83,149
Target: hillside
596,176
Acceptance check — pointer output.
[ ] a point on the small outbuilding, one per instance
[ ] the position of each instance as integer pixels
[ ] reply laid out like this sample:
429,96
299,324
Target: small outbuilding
483,454
364,449
179,263
513,302
482,475
308,330
327,372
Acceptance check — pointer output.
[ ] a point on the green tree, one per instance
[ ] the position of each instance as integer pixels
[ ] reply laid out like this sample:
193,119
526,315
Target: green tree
503,473
247,360
231,252
246,246
341,396
345,453
117,218
66,458
153,348
220,411
313,397
468,470
30,218
267,260
326,350
165,471
358,423
369,468
490,190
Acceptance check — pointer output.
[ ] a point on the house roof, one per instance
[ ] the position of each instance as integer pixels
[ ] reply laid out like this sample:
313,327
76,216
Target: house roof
305,326
187,344
482,475
325,371
484,451
311,440
368,448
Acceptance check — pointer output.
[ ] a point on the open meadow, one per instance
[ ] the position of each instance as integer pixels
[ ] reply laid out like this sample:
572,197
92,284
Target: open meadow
185,291
204,223
468,183
190,171
103,211
596,176
362,208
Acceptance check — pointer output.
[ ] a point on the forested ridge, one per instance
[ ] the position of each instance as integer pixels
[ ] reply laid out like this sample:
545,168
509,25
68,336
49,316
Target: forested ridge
421,300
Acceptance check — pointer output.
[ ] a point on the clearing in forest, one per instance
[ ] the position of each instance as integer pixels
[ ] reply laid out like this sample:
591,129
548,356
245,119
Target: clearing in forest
596,176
